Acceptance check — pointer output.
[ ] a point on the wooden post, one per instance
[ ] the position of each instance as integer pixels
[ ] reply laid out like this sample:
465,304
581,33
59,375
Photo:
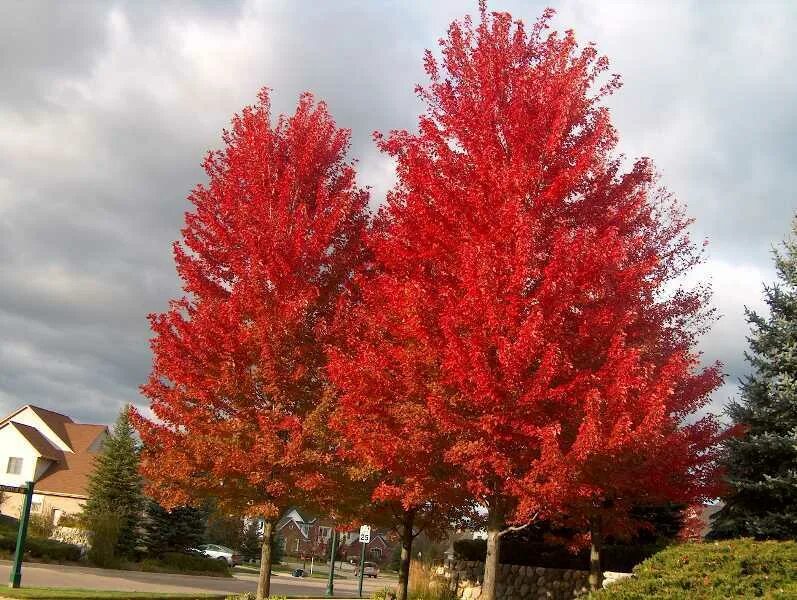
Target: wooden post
16,568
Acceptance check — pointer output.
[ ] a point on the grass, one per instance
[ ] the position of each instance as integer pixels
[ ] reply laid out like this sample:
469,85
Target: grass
712,571
65,594
318,572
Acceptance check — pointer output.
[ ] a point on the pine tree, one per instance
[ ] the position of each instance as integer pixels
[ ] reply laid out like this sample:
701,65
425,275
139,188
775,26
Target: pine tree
762,463
115,486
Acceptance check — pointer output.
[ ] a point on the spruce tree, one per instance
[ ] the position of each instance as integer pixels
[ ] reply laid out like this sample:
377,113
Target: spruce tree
762,462
115,487
173,530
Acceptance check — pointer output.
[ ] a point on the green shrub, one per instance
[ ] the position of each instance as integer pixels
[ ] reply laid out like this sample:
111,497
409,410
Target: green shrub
72,521
712,571
104,536
251,596
189,563
8,524
42,548
41,525
615,557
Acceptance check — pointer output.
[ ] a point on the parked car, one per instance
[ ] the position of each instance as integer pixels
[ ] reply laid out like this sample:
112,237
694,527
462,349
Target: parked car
224,553
298,573
369,570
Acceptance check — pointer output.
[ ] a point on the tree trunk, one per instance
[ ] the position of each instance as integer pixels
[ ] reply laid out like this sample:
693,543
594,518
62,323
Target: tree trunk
595,571
495,522
406,556
264,578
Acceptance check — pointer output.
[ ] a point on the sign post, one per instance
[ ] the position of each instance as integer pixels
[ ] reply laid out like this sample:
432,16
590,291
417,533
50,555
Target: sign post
365,537
331,578
16,569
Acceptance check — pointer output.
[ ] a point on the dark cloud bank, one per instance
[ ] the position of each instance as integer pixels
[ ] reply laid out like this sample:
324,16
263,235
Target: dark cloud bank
107,109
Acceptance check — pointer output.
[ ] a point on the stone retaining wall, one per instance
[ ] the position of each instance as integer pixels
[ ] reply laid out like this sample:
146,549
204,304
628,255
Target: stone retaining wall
515,582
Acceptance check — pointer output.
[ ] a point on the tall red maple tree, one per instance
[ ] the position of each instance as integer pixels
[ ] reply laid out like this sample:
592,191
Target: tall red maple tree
384,373
238,384
535,265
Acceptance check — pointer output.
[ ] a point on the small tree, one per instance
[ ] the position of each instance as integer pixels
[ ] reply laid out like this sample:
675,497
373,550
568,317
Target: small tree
172,530
762,463
115,489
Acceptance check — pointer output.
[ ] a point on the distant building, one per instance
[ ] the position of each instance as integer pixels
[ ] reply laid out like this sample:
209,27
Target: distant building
54,452
303,535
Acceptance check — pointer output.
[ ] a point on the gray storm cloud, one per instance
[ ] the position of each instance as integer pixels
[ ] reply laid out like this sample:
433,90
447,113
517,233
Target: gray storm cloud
107,109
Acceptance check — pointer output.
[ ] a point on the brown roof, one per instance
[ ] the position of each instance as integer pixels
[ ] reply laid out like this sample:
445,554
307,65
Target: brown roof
55,421
38,441
71,474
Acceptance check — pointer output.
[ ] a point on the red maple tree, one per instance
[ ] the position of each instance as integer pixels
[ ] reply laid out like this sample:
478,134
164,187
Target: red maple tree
533,270
238,384
385,373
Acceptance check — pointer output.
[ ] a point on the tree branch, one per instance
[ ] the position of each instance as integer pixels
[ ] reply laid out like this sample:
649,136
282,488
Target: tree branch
518,527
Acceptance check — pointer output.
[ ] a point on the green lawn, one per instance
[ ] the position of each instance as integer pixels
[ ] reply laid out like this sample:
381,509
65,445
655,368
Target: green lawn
64,594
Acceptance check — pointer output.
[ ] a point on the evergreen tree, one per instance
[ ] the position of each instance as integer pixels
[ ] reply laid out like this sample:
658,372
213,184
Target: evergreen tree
178,529
762,463
115,487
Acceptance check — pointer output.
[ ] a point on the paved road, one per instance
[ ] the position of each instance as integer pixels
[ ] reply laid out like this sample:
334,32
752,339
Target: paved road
67,576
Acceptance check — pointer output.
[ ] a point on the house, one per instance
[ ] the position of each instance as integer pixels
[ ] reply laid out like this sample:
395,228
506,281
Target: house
378,550
303,535
54,452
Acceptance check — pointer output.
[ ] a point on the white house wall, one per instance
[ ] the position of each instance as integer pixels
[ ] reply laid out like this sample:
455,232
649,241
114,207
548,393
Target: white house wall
12,443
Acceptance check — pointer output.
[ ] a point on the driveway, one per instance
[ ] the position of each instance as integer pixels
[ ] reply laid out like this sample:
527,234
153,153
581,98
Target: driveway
67,576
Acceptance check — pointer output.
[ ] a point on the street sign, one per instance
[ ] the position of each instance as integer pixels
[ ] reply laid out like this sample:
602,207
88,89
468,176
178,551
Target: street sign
365,534
13,489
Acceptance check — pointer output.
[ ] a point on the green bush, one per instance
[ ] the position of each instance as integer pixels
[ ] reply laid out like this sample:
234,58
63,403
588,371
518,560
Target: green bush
8,524
251,596
712,571
104,536
176,561
615,557
41,525
42,548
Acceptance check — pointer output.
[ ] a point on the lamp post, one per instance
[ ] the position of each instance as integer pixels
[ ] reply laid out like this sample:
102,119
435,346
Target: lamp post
331,579
16,569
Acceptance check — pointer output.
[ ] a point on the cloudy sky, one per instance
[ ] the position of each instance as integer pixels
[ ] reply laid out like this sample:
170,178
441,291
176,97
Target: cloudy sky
107,108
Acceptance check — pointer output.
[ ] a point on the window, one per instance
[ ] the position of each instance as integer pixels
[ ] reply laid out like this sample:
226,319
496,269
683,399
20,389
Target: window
14,465
376,554
325,532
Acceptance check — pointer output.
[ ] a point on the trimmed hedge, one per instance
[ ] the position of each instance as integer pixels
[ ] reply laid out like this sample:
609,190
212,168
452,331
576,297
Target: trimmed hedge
712,571
42,548
189,563
539,554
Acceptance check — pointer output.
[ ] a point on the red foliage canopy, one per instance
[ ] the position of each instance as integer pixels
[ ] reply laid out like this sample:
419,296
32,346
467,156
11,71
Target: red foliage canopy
238,376
528,281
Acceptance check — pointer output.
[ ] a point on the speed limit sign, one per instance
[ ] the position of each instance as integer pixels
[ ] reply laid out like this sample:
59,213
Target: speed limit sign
365,533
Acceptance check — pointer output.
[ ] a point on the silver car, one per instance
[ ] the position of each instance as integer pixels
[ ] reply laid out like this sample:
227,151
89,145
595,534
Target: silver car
224,553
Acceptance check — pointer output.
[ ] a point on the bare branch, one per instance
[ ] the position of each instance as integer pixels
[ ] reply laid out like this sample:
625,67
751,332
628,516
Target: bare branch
518,527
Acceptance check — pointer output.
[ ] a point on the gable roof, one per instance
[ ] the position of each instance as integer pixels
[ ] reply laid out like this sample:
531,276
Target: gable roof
37,440
69,474
55,421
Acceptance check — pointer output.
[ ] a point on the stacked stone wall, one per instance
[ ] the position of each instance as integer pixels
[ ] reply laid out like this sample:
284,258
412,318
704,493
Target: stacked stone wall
515,582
